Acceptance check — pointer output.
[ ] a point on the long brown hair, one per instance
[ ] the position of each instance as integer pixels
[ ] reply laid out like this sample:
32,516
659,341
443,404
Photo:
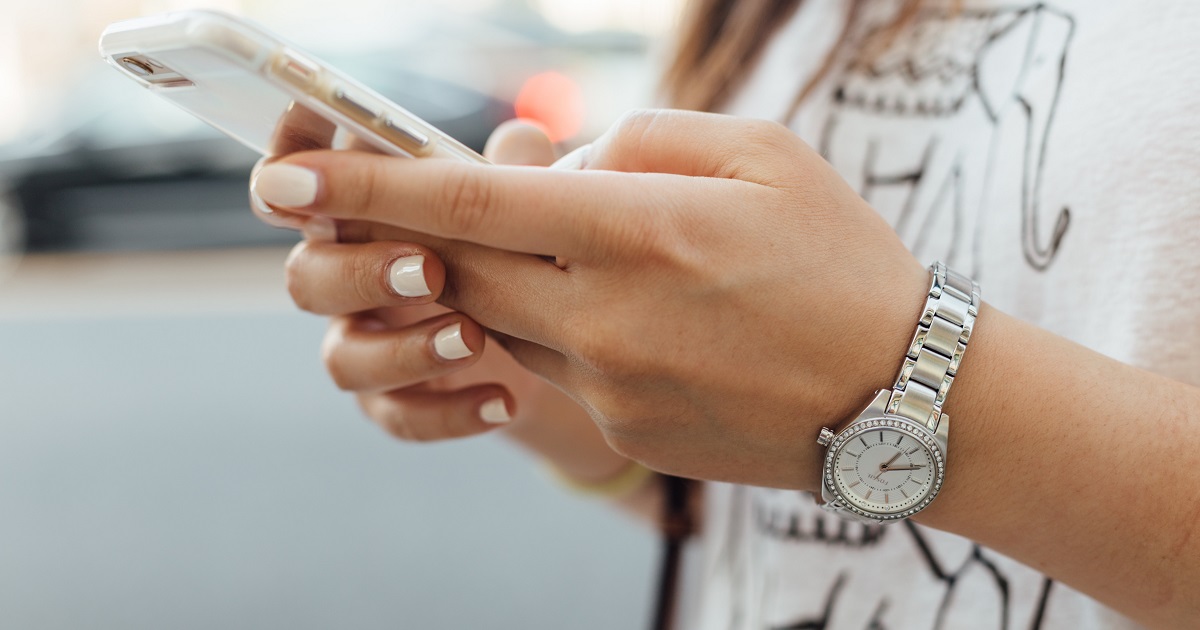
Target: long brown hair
720,40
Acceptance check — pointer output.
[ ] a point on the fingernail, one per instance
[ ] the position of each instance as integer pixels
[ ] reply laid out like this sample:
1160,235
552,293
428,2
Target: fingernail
286,185
494,411
321,229
449,344
271,216
407,276
575,160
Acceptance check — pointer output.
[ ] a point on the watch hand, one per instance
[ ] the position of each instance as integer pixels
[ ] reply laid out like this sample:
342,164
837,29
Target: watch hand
905,468
884,465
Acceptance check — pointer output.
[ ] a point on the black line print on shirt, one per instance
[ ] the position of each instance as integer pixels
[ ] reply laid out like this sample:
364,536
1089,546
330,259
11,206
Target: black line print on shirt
961,580
790,527
950,77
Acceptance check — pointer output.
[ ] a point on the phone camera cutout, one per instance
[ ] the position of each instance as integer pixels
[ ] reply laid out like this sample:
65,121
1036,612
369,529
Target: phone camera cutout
152,72
137,66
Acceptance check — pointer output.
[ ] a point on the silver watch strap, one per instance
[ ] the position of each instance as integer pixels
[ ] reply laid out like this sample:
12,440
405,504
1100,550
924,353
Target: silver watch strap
937,347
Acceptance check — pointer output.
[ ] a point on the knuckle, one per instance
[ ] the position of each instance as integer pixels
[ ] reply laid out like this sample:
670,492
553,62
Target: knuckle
407,361
365,181
339,371
390,414
766,141
467,199
417,436
339,375
295,277
362,272
631,131
428,430
633,124
395,422
763,131
453,425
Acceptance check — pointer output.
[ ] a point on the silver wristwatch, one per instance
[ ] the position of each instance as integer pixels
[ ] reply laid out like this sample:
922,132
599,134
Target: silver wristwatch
888,462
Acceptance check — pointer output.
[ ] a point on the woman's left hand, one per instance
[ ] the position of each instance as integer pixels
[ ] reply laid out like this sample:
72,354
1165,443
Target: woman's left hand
719,292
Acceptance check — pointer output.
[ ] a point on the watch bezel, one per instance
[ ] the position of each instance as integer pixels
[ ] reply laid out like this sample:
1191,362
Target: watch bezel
886,421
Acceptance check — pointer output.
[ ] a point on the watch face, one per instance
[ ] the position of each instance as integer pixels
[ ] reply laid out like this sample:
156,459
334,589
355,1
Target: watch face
884,468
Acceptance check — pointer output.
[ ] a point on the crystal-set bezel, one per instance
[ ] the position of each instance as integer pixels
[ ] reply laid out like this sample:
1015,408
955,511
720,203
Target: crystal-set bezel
887,422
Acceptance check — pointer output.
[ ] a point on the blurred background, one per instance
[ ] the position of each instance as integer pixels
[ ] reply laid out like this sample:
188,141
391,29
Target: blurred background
171,452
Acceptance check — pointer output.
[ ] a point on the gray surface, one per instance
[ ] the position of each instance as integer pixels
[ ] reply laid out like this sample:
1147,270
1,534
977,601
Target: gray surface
202,473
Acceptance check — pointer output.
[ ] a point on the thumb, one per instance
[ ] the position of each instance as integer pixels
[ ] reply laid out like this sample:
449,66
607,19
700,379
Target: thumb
519,143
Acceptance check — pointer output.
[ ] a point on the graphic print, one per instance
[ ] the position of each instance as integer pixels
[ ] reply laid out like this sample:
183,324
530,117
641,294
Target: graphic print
926,129
952,78
873,570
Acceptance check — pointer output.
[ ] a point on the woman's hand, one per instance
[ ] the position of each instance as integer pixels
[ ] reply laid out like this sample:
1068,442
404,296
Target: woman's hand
419,370
727,294
719,293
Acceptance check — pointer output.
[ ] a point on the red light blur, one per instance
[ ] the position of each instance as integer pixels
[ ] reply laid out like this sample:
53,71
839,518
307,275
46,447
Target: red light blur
555,101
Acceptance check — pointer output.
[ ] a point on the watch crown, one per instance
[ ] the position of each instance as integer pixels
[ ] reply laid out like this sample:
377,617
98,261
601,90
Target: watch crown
825,437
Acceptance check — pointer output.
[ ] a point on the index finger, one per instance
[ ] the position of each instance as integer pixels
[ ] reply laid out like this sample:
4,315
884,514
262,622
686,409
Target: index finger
575,214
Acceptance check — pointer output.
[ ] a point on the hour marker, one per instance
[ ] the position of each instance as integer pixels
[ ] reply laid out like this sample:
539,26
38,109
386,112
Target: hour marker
914,450
898,438
853,454
886,500
881,437
903,492
848,469
855,484
868,497
860,439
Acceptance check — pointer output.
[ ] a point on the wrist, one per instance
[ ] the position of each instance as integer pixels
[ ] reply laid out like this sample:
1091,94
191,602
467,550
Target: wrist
888,461
876,335
972,403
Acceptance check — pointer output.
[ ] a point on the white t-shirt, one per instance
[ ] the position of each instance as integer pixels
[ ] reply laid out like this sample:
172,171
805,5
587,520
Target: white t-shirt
1051,151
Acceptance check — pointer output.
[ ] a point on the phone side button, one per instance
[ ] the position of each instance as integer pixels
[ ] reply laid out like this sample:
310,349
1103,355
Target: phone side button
409,140
294,69
355,106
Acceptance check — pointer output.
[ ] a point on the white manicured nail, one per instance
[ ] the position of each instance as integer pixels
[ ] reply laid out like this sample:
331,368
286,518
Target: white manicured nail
575,160
320,229
494,411
277,218
407,276
448,343
259,204
286,185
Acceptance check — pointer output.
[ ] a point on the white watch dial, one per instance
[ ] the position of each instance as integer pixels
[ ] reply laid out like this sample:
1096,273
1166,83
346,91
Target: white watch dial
886,468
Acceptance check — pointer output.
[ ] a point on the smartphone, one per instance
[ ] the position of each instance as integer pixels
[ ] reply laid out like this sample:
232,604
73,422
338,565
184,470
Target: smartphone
264,92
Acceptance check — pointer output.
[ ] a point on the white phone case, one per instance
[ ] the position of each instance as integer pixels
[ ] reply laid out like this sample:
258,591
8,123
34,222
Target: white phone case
256,88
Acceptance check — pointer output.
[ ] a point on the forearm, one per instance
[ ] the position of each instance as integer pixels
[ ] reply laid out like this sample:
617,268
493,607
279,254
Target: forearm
1079,466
